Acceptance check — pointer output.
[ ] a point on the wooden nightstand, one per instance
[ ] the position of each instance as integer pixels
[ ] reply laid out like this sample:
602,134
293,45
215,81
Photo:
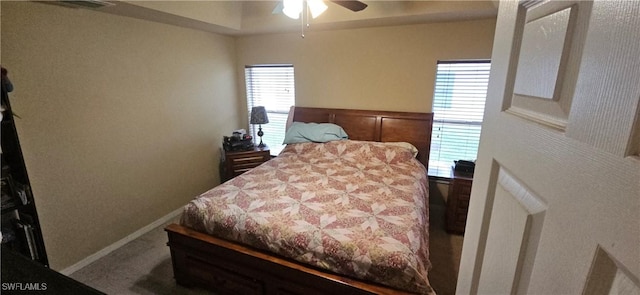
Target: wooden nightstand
236,163
458,201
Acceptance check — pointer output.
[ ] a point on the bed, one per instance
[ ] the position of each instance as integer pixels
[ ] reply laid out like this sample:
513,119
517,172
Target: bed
267,248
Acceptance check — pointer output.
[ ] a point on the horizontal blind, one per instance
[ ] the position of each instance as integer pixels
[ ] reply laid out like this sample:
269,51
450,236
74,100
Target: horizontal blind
273,87
458,107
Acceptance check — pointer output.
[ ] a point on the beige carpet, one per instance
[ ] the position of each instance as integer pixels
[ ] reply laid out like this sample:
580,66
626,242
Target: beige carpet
143,266
444,251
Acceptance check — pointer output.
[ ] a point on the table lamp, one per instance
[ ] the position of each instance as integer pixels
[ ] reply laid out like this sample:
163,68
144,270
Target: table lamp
259,116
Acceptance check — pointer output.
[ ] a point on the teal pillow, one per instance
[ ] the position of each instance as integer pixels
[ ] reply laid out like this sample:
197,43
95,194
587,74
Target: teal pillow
314,132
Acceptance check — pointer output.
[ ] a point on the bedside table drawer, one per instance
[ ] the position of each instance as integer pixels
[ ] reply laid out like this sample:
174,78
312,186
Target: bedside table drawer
463,202
458,202
236,163
242,167
248,160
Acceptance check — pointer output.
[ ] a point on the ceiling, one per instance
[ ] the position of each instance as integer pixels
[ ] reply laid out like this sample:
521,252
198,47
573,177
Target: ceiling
255,17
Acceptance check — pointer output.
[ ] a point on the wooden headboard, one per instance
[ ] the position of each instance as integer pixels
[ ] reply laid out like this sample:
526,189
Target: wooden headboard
383,126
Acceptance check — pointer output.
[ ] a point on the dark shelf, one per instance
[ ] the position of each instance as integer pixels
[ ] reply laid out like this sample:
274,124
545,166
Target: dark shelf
20,225
17,268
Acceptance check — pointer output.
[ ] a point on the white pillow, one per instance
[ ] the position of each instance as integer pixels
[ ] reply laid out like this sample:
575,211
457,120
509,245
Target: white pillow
406,145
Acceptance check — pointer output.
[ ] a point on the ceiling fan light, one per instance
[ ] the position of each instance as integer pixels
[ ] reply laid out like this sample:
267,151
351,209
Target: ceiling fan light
317,7
292,8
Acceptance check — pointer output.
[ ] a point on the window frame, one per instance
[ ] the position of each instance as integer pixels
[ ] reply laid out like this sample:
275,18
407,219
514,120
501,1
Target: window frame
469,125
274,114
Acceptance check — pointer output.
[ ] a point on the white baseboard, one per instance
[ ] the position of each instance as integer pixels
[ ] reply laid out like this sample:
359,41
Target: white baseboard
95,256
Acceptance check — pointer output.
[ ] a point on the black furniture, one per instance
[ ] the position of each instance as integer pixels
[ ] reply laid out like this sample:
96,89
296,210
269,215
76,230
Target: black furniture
20,226
21,275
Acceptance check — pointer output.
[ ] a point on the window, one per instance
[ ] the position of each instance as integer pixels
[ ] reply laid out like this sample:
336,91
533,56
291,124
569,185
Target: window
458,107
271,86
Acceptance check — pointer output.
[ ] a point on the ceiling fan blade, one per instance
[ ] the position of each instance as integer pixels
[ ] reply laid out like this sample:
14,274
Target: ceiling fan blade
351,5
278,9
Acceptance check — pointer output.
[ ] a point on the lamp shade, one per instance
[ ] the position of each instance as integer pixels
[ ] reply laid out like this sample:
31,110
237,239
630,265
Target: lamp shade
259,115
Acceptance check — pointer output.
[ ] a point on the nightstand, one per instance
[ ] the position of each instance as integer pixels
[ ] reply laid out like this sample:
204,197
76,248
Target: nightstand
236,163
458,201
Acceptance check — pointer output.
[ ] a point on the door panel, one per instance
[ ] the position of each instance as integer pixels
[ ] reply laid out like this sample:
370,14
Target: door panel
547,49
512,240
608,276
556,194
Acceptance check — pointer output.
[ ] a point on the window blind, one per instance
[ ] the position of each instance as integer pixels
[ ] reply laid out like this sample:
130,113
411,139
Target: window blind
458,107
273,87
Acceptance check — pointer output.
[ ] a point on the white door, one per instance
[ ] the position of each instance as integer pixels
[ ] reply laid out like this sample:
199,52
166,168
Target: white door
555,203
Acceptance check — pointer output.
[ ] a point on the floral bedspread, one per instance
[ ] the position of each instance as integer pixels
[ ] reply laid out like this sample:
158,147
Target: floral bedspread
355,208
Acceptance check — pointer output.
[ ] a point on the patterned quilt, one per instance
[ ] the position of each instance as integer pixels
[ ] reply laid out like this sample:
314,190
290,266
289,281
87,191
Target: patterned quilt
352,207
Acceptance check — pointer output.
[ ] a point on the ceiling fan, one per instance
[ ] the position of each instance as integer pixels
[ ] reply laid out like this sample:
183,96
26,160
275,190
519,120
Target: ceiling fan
351,5
294,8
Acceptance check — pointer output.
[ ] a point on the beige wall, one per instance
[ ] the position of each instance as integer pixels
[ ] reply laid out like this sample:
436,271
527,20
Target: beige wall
121,119
383,68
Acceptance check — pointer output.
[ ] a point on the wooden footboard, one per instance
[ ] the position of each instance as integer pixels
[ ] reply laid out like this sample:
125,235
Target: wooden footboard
229,268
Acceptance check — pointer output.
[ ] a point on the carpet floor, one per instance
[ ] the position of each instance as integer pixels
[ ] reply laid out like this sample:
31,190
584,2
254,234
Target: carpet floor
143,266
